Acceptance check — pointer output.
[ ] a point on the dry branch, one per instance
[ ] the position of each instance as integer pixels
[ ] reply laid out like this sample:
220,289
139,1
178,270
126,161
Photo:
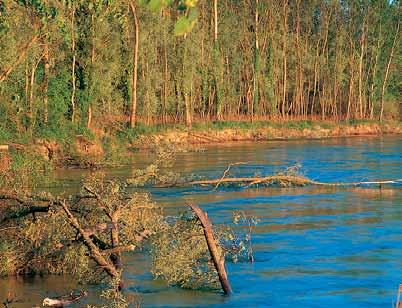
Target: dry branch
227,171
96,253
295,180
219,261
64,301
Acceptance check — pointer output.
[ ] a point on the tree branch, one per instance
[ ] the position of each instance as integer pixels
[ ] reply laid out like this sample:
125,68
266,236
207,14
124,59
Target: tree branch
94,250
219,261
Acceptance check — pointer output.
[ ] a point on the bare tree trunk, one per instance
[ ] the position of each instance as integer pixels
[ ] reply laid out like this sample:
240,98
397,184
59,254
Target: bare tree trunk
350,95
373,75
73,106
316,70
135,67
46,78
215,21
362,43
89,119
284,60
166,80
299,81
256,63
384,84
32,91
187,105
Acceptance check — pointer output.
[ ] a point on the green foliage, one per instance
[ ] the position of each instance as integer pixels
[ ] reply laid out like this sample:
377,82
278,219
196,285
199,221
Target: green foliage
25,171
183,71
186,23
5,135
180,255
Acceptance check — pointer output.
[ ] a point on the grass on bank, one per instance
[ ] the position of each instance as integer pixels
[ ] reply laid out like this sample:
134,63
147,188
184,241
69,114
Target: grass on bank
66,132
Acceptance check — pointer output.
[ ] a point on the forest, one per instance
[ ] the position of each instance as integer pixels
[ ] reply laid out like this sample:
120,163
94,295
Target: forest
107,65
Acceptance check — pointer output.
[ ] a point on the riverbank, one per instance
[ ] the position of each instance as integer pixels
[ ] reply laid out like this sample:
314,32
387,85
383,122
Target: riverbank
98,148
221,132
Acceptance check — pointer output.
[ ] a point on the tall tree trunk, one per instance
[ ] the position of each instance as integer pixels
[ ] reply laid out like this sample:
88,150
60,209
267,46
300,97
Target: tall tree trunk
299,87
187,103
166,77
46,78
384,84
373,75
362,44
316,72
73,105
32,91
256,63
215,21
135,67
284,60
89,117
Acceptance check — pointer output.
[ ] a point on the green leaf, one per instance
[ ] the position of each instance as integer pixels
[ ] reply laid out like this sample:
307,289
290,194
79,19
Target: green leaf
156,5
182,26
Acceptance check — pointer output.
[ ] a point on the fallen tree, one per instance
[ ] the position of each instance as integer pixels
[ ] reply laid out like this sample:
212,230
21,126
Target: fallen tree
217,257
85,234
284,180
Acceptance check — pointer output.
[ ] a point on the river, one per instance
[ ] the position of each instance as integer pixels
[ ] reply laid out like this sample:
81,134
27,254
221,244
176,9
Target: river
313,246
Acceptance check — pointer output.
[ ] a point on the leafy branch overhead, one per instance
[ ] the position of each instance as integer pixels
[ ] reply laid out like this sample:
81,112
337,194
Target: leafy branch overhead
186,22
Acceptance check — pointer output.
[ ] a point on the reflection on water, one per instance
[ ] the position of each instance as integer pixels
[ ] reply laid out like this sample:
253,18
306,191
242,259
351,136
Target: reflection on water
314,246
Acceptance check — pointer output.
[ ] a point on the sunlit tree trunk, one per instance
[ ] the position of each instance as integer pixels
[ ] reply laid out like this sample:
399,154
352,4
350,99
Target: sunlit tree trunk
133,110
73,105
384,84
374,73
362,49
215,21
89,118
284,56
46,78
256,63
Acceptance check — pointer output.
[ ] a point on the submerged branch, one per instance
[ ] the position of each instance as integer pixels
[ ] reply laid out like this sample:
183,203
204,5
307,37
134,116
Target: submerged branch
63,301
94,250
288,179
225,173
217,258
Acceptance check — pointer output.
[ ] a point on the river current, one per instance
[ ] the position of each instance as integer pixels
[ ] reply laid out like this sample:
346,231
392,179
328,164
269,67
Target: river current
313,246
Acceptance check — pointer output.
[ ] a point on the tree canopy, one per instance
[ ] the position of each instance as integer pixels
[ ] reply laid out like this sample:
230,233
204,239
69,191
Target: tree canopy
100,64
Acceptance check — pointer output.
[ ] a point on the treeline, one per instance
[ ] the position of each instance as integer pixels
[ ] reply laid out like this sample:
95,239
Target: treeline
100,63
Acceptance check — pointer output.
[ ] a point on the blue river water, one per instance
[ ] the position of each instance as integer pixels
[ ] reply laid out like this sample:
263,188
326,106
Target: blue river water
313,246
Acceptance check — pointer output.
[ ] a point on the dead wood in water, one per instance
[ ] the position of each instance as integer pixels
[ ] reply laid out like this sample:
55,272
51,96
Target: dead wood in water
283,179
225,173
63,301
217,258
96,253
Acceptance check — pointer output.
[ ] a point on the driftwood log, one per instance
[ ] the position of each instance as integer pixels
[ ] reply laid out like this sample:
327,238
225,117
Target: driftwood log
217,258
63,301
290,179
